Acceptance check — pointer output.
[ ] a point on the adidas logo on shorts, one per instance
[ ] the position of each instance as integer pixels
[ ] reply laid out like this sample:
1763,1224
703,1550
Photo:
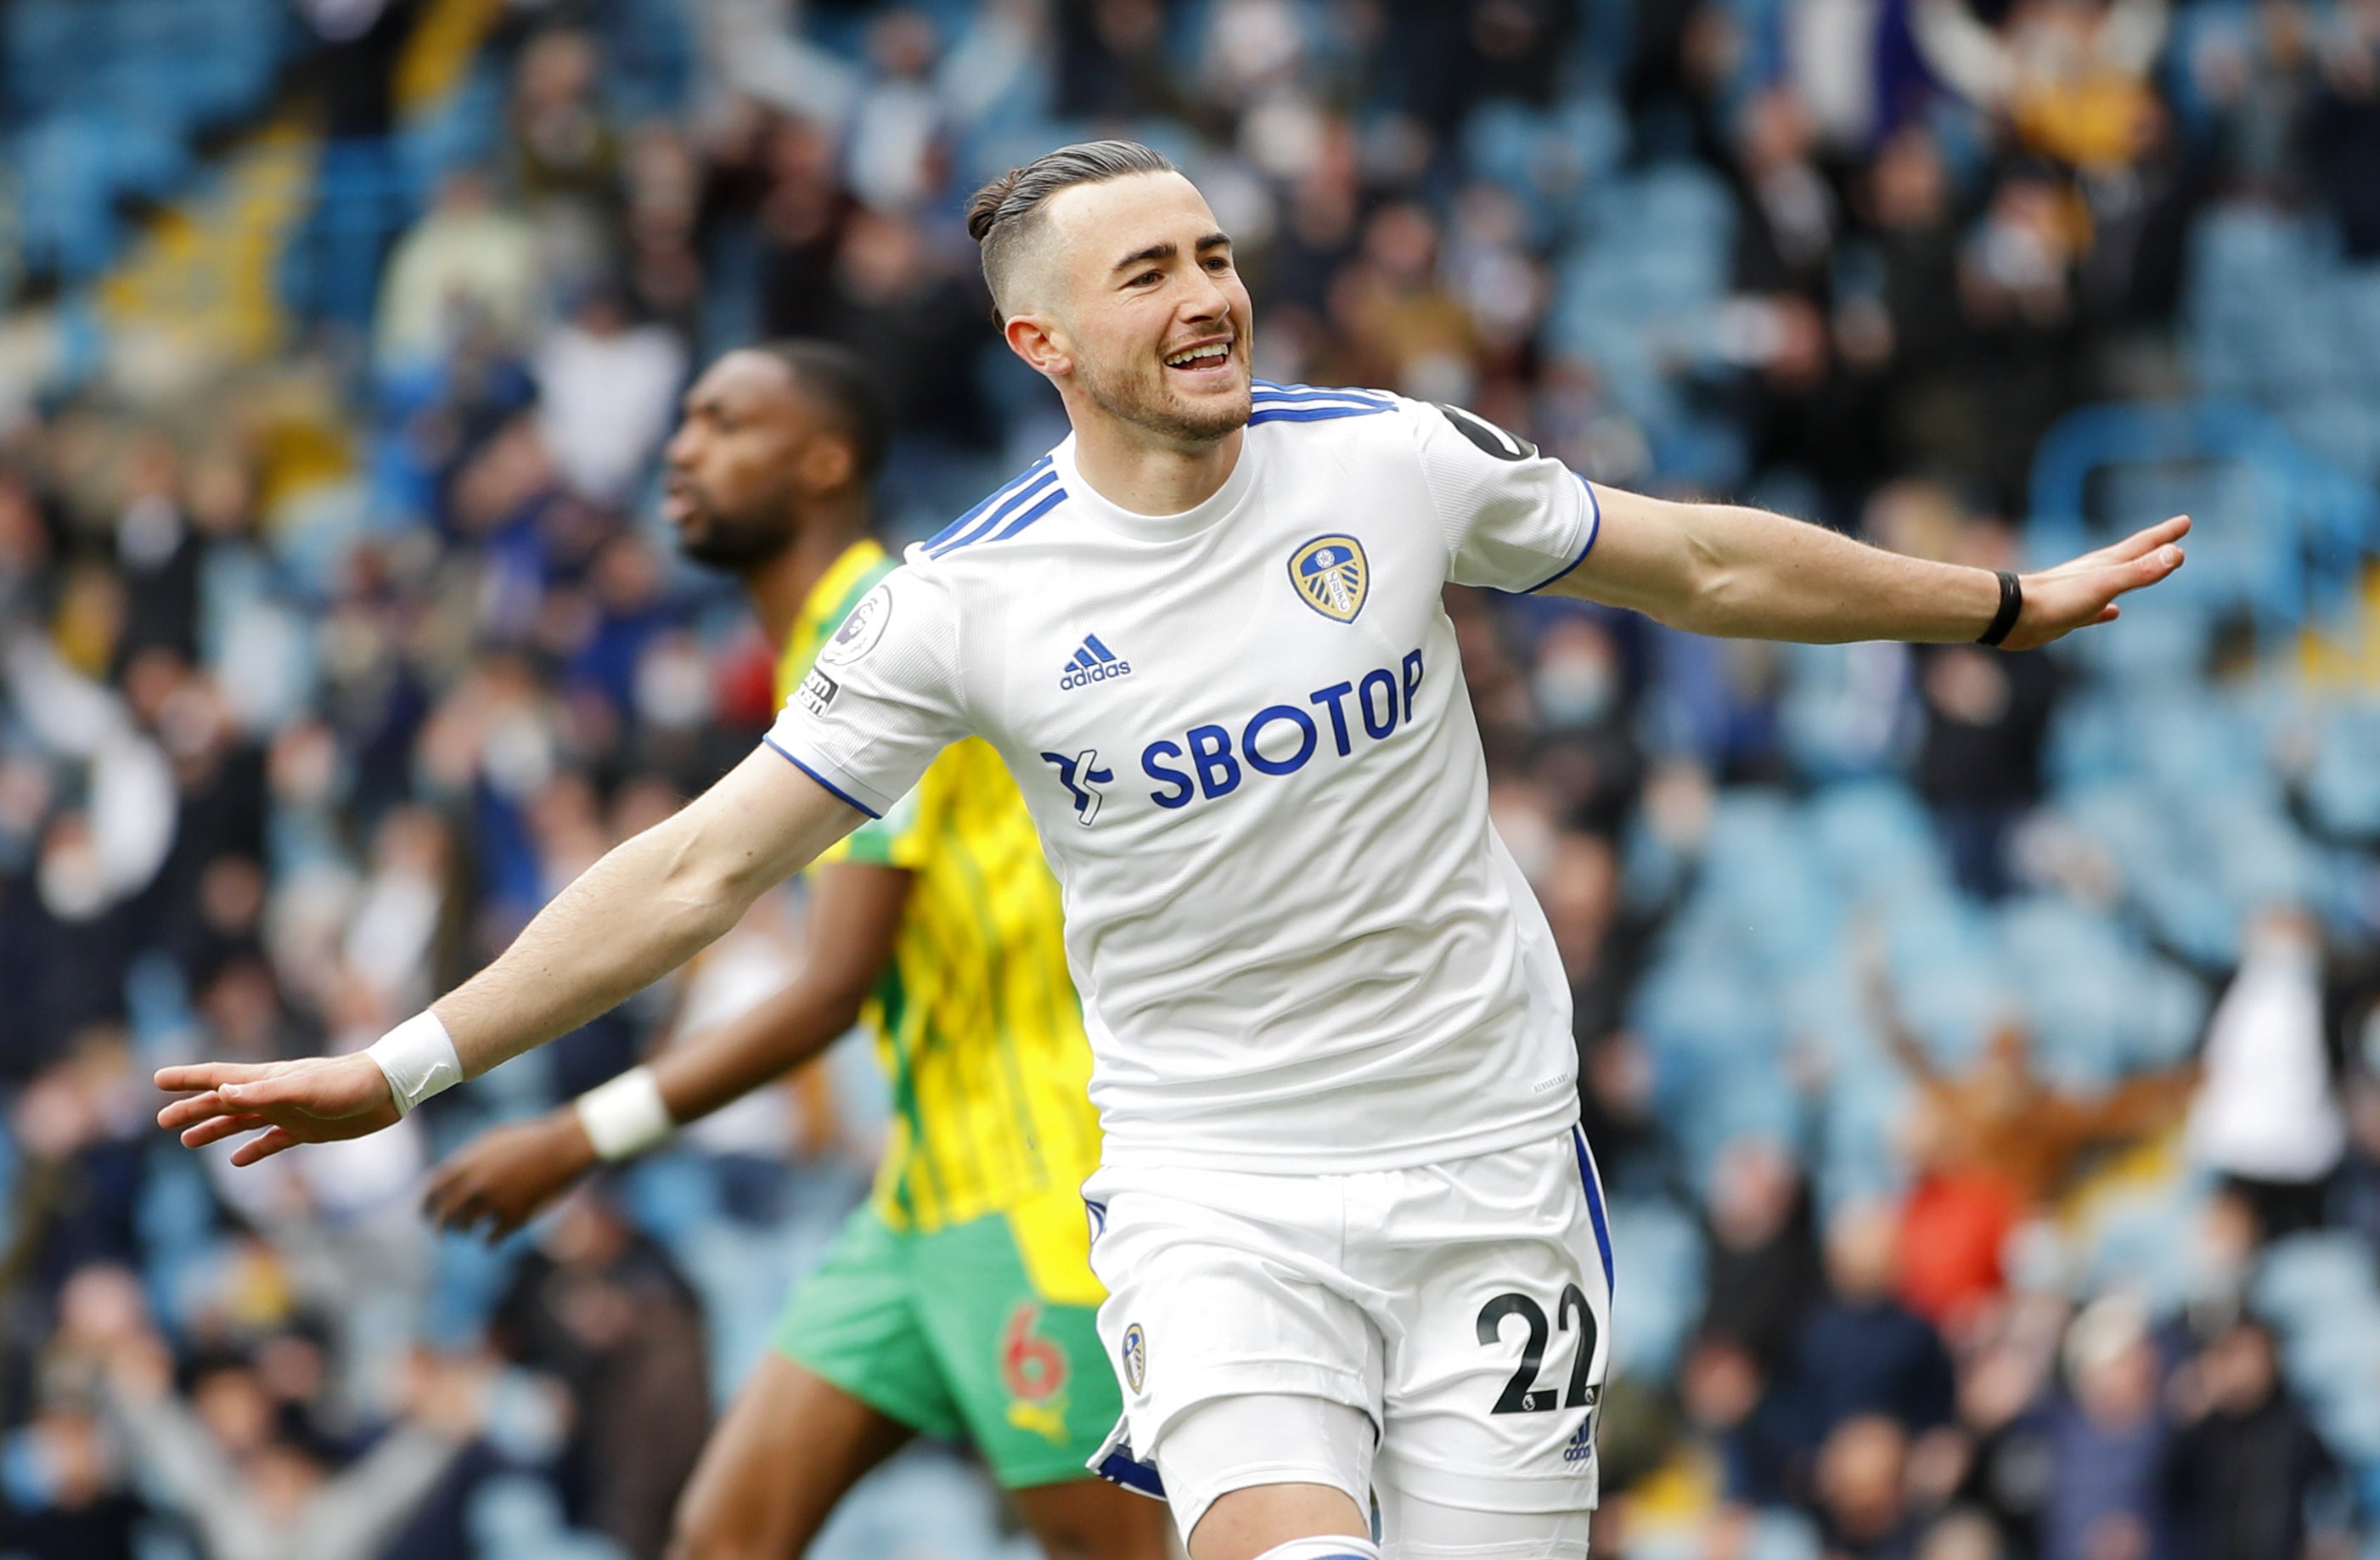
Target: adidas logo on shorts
1093,662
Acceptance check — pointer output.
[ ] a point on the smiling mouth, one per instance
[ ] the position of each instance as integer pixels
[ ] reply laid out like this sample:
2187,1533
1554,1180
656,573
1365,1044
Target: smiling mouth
1214,354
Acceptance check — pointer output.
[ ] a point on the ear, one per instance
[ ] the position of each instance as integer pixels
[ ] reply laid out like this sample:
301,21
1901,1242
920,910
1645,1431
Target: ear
827,464
1042,343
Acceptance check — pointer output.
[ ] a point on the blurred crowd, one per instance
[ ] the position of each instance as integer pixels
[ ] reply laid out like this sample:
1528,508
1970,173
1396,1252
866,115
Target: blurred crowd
1981,1050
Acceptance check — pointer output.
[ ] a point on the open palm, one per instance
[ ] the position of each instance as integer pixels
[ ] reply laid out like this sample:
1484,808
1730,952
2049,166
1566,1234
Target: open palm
2083,591
317,1100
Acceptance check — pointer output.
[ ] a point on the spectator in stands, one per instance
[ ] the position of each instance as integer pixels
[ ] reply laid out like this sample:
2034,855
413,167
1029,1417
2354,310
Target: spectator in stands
1751,1420
2344,128
1763,1255
605,387
1861,1352
600,1308
2109,1441
1998,1144
253,1493
1861,1495
2244,1458
2070,76
468,265
2266,1116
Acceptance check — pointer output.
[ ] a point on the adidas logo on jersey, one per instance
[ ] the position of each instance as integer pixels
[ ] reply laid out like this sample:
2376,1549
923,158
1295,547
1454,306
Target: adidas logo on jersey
1093,662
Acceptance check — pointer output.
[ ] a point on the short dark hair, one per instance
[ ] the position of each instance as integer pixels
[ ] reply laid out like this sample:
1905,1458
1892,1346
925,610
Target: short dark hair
1004,209
842,385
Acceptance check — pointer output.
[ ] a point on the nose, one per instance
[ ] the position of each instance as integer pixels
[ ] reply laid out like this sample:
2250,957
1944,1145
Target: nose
1204,298
680,450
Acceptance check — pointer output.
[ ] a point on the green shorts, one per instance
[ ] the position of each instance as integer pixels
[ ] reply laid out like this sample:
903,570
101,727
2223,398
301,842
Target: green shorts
981,1331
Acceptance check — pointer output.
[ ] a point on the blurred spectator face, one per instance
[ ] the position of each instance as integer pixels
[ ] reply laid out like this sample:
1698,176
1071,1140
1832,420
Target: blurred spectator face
1776,132
750,449
281,1479
243,1011
1752,1193
1962,1535
2240,1371
235,1407
101,1308
1136,280
1577,676
1579,891
1907,182
1128,29
1863,1253
1858,1477
1720,1384
1401,241
2111,1363
902,44
882,260
24,541
74,1455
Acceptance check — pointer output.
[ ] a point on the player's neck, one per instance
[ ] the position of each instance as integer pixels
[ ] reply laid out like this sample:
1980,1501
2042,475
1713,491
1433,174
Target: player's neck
1131,472
781,586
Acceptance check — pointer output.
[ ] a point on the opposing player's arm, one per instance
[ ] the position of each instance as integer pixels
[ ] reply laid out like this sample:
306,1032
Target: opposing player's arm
505,1175
643,909
1716,568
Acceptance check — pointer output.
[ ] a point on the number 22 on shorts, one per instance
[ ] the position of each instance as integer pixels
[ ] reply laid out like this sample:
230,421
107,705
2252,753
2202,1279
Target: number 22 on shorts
1522,1394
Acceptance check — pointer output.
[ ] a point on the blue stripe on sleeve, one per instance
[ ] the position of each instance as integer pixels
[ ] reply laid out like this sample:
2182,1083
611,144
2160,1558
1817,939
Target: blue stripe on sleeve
1008,507
974,521
833,790
1303,413
1594,530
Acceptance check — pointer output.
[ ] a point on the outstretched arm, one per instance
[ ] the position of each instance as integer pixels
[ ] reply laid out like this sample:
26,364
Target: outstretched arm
505,1175
1716,568
643,909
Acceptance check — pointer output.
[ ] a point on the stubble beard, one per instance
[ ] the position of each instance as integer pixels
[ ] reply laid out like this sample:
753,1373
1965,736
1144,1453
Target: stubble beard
1132,397
735,543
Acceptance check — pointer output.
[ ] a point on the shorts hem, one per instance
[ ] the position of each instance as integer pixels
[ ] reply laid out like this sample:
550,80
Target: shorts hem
1038,1477
881,1401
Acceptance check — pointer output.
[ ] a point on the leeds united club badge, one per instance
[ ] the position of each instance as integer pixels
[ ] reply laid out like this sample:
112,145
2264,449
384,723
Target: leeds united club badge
1330,573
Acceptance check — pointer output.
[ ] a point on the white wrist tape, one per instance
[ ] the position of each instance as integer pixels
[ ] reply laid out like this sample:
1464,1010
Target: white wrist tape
418,1058
626,1116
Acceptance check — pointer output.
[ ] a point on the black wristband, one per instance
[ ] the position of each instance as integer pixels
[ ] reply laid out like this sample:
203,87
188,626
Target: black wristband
2011,604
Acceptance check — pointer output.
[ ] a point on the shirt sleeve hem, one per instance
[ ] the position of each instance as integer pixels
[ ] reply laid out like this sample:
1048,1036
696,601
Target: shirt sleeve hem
833,790
1594,530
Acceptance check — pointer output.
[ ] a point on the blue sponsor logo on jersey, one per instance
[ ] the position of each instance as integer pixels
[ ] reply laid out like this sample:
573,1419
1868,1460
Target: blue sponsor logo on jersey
1082,776
1582,1445
1092,662
1212,761
1331,576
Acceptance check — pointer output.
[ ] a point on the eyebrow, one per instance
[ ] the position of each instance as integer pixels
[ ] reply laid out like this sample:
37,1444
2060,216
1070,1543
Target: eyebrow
1165,251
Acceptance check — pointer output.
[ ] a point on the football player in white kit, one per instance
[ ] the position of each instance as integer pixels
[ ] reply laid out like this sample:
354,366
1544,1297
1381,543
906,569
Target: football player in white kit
1353,1239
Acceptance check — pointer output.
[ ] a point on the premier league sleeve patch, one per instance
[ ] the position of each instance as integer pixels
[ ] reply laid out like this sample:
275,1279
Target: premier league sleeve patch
862,627
1330,573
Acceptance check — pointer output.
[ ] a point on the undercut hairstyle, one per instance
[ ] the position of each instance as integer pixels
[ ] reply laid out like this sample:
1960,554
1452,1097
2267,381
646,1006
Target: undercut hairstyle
1005,212
835,378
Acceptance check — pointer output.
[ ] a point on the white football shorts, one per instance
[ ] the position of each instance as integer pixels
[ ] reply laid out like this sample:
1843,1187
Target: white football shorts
1463,1306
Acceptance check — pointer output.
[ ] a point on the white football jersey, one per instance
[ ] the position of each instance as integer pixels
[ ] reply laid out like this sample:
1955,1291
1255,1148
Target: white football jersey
1245,741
